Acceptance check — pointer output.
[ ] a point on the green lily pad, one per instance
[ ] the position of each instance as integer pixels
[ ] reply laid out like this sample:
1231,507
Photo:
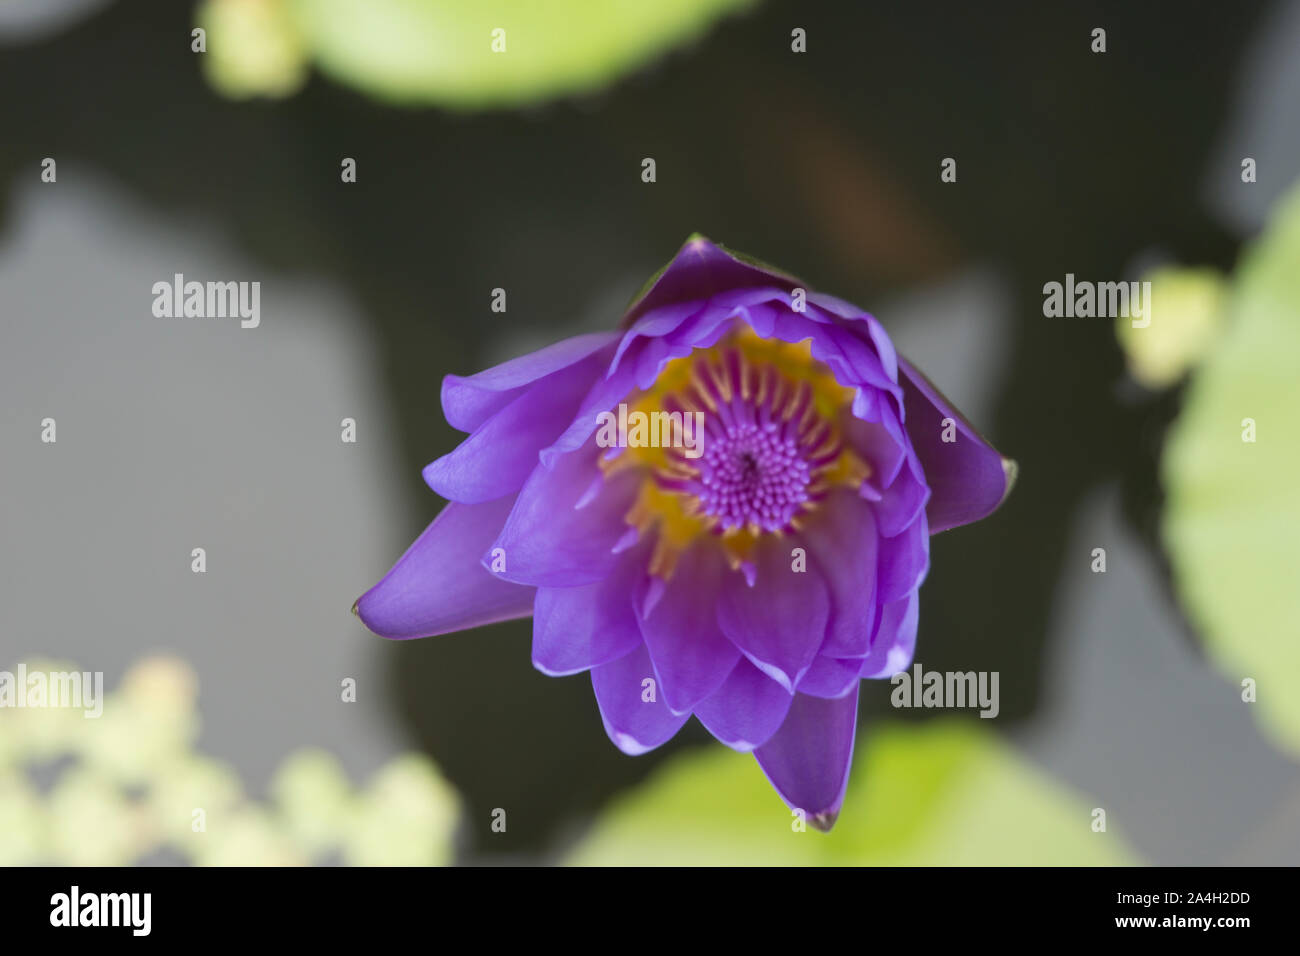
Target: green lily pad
944,793
447,53
1232,511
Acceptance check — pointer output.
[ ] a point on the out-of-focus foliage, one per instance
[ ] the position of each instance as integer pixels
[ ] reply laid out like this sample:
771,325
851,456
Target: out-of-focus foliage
254,47
1186,313
1232,512
947,792
127,784
445,52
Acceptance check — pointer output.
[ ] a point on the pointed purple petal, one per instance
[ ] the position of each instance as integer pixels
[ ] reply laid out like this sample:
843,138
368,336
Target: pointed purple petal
689,650
904,561
894,644
656,324
549,541
576,629
780,622
439,584
900,504
747,709
808,759
604,395
468,401
877,446
853,352
699,270
842,541
856,317
499,456
633,723
968,478
831,677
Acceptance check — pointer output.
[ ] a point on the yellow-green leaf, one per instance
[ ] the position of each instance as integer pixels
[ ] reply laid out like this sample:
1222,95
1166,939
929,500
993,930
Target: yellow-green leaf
945,793
1231,469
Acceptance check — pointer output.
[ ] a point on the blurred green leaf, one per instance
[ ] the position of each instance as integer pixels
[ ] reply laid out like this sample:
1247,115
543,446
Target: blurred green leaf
247,836
182,785
133,784
92,823
254,47
24,823
405,817
442,51
1232,511
313,797
1185,315
946,793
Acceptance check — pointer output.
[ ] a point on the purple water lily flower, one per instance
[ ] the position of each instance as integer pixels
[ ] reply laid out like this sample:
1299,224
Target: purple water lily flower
722,509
